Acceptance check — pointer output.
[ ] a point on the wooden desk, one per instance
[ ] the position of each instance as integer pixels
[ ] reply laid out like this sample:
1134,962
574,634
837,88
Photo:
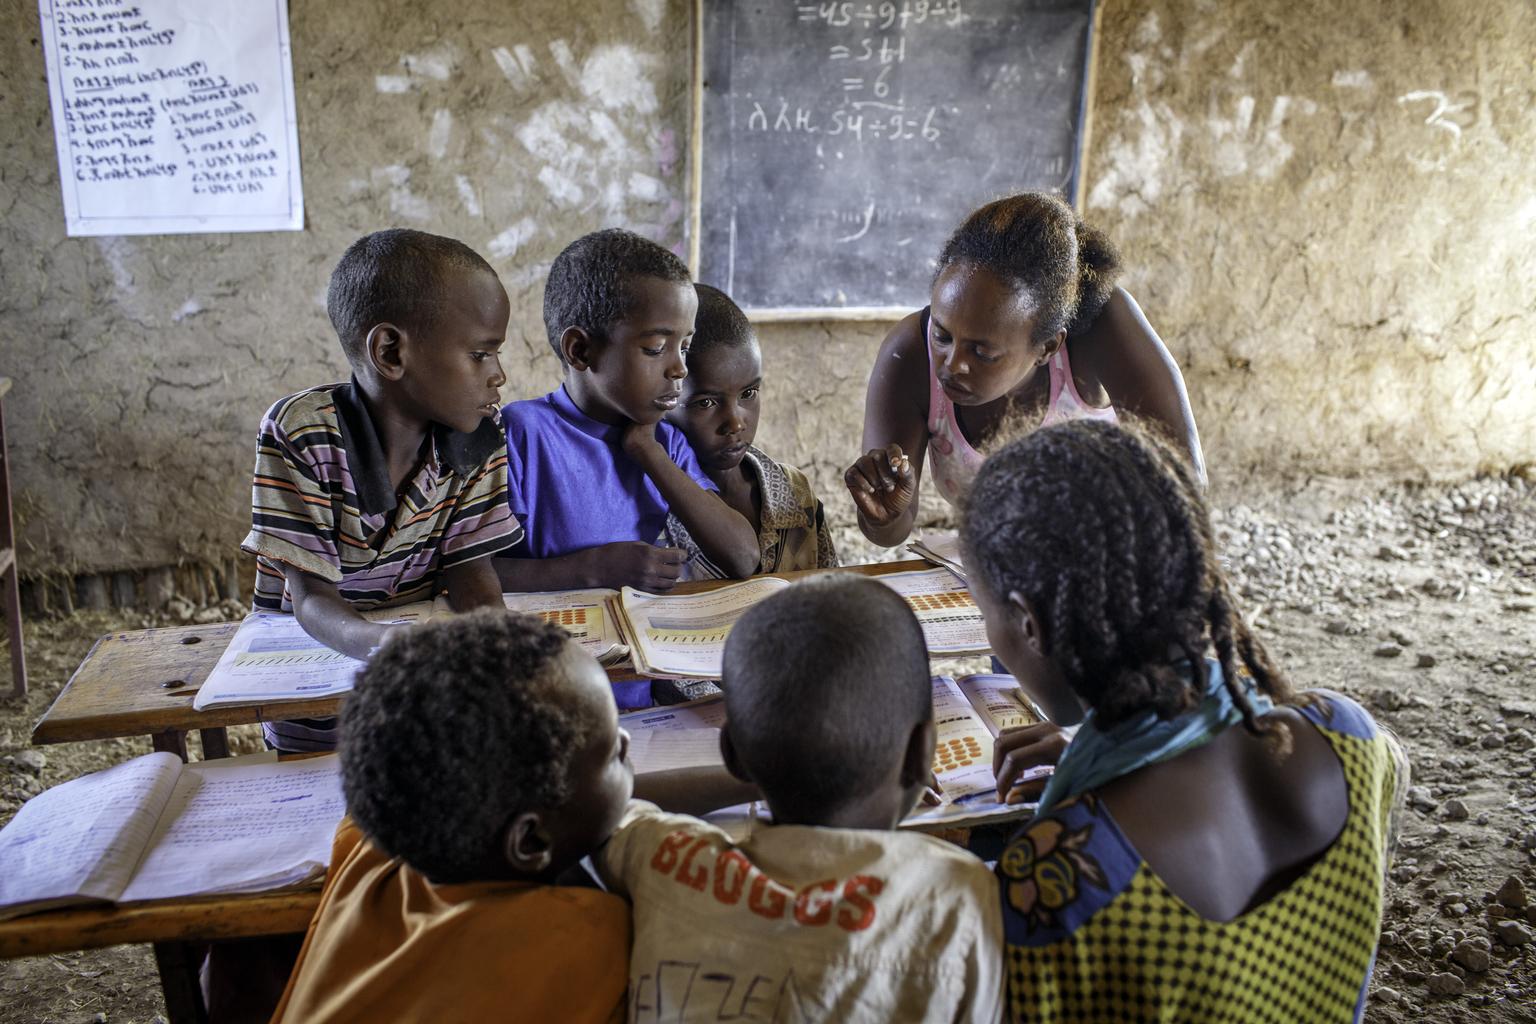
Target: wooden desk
193,919
142,683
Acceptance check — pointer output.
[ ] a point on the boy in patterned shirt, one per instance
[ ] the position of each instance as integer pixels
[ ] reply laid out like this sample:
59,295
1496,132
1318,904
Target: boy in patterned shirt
721,400
392,486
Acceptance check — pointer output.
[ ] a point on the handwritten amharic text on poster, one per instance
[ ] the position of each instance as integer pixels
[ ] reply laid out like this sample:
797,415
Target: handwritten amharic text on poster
173,116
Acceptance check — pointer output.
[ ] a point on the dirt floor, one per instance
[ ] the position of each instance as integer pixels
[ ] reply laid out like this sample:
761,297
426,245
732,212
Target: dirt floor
1418,601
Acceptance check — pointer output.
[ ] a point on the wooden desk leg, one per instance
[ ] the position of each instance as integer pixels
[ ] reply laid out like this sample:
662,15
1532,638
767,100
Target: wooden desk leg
9,571
215,742
171,741
179,963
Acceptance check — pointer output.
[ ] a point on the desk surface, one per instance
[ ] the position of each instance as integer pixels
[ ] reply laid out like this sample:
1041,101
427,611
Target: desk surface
142,682
199,918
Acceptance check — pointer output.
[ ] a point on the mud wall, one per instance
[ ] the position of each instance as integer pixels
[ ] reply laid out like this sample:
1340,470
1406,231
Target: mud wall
1324,210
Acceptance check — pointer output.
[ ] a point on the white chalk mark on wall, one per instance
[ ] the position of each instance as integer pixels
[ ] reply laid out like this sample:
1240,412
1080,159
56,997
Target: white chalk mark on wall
518,65
440,133
392,83
647,188
395,180
467,194
650,12
566,62
1440,116
1352,79
437,64
505,245
188,309
618,77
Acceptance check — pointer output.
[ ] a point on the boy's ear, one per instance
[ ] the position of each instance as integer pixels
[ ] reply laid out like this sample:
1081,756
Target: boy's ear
728,755
526,845
1031,628
917,761
579,348
384,350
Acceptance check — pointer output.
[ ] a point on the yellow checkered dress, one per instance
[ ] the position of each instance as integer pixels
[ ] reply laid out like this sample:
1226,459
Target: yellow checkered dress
1093,935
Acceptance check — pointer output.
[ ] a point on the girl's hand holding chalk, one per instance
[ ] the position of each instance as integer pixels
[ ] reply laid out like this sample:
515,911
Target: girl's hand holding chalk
882,484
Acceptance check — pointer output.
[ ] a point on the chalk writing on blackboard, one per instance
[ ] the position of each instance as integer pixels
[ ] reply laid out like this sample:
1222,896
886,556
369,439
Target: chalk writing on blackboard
842,141
173,116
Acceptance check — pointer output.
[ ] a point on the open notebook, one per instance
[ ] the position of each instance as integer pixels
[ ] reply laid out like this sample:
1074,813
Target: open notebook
155,828
271,659
968,713
684,635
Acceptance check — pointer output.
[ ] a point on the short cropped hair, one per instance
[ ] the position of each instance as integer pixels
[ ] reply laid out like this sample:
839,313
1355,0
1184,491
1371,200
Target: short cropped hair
451,730
394,276
719,323
1037,243
824,683
588,284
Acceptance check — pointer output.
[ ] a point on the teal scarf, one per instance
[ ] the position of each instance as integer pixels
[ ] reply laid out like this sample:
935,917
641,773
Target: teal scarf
1097,756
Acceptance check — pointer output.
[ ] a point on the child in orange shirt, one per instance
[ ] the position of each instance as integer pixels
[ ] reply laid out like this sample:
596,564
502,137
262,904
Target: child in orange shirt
442,900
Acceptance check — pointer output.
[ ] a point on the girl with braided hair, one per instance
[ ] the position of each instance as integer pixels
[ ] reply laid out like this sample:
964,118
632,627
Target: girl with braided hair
1027,324
1212,846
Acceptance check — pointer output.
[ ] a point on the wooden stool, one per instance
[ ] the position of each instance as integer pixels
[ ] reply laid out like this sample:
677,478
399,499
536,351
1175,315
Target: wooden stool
10,576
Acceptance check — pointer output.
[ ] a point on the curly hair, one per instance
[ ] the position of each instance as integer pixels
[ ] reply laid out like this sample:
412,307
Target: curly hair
588,282
393,276
450,731
1104,531
1038,243
719,323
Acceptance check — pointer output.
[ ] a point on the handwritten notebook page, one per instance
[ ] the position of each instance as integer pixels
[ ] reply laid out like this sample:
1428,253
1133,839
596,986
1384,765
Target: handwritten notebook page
242,825
82,838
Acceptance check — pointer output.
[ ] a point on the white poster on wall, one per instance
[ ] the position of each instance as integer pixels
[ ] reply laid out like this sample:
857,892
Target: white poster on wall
173,116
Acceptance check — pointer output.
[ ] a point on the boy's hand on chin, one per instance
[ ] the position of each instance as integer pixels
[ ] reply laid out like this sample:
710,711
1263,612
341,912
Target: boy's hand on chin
634,563
639,442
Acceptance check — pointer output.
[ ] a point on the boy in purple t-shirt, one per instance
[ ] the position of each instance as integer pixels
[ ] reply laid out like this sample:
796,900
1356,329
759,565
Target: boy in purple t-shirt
592,469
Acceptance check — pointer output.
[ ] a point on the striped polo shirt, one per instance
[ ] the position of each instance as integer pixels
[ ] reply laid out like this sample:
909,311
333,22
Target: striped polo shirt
322,502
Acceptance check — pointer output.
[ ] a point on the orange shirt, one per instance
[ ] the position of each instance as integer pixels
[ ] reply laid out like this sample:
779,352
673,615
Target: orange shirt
387,944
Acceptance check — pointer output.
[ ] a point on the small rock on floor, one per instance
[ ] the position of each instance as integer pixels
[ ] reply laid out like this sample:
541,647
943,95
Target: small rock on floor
1513,933
1446,984
1388,650
1512,893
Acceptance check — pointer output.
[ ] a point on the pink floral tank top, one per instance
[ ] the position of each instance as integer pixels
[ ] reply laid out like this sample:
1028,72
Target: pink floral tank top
952,460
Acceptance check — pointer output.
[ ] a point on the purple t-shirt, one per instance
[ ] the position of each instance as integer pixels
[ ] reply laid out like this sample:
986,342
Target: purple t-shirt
571,485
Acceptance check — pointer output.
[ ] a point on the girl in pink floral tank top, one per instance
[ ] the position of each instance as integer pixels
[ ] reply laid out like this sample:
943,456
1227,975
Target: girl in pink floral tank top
1021,286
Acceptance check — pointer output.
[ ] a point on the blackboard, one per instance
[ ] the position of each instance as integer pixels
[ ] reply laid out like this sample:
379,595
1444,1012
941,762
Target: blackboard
840,143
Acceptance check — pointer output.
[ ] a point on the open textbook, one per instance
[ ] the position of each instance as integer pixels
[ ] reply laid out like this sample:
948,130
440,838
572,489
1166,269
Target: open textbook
271,658
155,828
968,714
684,635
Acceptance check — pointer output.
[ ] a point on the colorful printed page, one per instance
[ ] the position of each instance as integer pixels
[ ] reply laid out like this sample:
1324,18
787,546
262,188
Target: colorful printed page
272,659
951,622
684,636
967,715
584,614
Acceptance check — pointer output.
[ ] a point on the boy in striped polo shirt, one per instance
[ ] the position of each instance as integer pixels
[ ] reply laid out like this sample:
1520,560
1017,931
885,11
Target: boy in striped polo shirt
392,486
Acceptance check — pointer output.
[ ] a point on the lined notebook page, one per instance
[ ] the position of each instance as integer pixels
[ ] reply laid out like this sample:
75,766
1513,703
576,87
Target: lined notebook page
82,838
242,825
